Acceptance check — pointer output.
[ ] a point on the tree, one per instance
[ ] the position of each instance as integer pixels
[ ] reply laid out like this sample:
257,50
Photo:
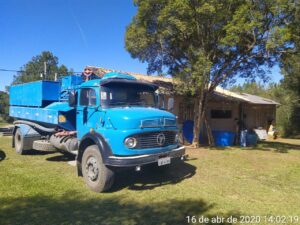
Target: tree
291,70
4,106
253,88
32,70
208,43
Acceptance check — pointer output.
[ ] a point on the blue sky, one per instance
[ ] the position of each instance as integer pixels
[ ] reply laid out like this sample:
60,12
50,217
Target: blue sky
78,32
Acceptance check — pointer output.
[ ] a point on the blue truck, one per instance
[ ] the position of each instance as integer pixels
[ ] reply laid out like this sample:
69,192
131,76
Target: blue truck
108,123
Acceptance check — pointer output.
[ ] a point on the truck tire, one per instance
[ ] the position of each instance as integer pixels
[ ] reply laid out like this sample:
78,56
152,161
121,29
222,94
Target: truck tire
19,142
43,145
97,176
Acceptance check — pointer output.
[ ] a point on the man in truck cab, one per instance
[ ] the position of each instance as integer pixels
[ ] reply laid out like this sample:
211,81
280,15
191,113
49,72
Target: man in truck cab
88,74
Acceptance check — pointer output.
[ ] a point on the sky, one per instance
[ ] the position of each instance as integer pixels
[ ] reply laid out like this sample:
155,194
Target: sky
78,32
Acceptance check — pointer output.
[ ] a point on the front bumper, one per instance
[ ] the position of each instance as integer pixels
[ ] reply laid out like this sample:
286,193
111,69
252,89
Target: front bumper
139,160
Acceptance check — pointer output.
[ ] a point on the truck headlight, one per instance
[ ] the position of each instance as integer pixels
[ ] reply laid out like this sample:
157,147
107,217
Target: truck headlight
130,142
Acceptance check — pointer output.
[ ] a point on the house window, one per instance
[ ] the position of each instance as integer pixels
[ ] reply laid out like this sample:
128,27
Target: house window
87,97
220,114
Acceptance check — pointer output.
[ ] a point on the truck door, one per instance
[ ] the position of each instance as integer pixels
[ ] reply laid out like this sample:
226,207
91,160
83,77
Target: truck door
87,111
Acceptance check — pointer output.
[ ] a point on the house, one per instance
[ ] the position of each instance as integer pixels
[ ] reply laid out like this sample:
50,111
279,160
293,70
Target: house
226,110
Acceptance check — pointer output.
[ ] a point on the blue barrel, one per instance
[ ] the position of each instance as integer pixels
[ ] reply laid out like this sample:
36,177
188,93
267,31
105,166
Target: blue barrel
251,139
188,128
223,138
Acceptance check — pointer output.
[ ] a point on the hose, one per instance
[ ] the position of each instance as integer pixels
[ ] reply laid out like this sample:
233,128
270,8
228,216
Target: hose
35,125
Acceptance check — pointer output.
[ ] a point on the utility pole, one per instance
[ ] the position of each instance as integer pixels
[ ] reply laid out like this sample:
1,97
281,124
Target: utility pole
45,70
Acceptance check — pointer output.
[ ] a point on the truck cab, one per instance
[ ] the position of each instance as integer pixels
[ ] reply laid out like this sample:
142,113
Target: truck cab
109,123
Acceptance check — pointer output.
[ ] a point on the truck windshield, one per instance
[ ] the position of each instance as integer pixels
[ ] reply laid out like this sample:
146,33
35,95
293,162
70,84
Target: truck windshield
127,94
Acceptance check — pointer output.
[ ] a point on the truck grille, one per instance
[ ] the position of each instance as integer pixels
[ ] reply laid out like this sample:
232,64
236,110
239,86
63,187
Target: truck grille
151,139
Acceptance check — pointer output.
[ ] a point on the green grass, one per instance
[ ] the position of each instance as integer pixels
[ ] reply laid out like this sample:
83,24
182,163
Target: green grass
3,124
44,189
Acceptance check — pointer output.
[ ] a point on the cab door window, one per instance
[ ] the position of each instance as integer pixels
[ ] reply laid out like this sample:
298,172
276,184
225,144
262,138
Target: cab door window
88,97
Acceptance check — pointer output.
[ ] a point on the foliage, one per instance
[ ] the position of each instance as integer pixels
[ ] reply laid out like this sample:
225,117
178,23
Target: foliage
287,92
4,106
253,88
291,70
32,70
208,43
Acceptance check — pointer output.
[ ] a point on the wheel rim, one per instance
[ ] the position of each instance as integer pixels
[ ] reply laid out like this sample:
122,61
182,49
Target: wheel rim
92,169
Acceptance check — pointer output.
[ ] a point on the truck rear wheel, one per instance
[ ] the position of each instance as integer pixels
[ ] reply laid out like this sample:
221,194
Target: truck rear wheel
19,142
97,176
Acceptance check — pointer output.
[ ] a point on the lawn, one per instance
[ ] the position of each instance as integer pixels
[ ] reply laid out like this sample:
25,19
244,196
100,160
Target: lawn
3,124
262,181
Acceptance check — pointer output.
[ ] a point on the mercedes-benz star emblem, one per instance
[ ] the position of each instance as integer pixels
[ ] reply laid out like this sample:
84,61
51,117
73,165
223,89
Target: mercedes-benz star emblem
160,139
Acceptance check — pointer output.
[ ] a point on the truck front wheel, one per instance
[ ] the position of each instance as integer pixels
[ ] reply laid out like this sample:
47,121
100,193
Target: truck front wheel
97,176
19,142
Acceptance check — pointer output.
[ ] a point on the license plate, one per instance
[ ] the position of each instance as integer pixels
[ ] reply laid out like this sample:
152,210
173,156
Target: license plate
164,161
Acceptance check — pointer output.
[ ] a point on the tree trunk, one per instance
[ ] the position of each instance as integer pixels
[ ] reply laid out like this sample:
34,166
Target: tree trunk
211,141
195,142
198,118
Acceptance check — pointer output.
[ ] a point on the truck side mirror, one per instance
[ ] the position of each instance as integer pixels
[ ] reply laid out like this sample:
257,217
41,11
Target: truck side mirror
72,98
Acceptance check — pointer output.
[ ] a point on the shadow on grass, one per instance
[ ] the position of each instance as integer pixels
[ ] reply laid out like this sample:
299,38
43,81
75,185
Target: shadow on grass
218,148
151,177
36,152
2,155
277,146
64,157
264,146
73,208
191,159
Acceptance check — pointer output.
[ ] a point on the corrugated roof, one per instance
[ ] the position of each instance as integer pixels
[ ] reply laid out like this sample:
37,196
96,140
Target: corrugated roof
259,100
252,99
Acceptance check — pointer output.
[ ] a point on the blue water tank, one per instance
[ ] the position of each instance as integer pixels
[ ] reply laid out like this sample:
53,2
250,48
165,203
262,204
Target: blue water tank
34,94
223,138
251,139
188,128
70,82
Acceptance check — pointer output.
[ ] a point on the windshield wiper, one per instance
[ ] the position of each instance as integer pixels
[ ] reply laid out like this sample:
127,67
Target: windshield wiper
118,103
124,104
143,104
136,103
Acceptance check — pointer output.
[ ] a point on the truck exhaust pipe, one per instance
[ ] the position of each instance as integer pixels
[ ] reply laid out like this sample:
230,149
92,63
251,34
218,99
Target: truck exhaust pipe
66,143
